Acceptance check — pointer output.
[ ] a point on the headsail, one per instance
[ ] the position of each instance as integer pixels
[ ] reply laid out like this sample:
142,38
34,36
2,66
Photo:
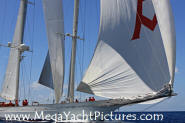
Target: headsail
10,88
132,57
54,20
165,18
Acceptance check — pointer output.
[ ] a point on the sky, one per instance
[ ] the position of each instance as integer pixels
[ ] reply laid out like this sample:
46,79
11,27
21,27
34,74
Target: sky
35,37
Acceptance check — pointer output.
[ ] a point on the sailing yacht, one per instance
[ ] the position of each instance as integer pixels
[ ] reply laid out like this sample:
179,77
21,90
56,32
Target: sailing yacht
134,59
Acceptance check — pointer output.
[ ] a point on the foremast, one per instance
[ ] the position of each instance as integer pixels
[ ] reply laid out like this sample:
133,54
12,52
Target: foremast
20,25
10,90
73,53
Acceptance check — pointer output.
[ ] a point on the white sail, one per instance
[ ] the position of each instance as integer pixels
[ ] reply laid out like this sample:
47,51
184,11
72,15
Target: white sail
11,81
53,12
46,75
9,87
132,57
165,17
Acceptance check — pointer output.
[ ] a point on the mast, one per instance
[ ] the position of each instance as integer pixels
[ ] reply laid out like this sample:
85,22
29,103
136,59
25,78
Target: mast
20,28
73,53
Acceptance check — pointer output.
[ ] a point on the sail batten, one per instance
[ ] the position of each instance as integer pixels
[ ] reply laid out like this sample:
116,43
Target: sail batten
53,12
132,57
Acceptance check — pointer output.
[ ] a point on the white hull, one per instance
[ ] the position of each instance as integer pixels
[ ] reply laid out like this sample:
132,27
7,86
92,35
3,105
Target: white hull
103,107
52,109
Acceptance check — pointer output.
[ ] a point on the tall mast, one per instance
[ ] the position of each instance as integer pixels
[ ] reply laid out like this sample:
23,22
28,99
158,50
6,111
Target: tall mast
73,53
19,37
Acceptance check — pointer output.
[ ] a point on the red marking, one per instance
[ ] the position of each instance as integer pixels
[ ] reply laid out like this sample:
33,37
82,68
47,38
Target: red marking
141,19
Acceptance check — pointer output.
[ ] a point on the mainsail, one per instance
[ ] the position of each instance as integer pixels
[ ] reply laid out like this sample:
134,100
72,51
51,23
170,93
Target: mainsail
54,20
135,53
10,86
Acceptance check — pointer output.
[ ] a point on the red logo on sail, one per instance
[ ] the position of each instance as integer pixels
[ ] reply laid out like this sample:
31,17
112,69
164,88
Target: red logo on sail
141,19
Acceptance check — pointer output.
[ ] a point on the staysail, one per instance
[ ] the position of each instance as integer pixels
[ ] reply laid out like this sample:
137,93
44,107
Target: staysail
135,54
10,88
46,74
54,20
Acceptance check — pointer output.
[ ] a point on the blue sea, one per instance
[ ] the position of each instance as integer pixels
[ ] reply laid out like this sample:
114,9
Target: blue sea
168,117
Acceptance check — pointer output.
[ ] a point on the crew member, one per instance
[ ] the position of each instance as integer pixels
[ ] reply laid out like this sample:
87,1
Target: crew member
76,101
16,103
10,103
90,99
93,99
25,102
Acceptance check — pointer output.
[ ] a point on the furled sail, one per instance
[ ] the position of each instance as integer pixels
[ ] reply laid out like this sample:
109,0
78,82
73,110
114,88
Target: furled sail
135,54
11,80
54,20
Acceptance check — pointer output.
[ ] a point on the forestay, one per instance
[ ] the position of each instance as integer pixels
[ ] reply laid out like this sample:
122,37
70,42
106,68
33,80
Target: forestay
54,20
135,54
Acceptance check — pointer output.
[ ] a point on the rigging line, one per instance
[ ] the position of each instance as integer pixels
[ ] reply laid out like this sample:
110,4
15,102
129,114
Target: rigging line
4,18
87,49
28,24
98,22
85,46
97,11
67,57
76,68
32,44
79,49
25,75
78,56
78,59
14,17
27,32
67,43
83,33
84,36
80,42
3,21
22,80
155,104
67,61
